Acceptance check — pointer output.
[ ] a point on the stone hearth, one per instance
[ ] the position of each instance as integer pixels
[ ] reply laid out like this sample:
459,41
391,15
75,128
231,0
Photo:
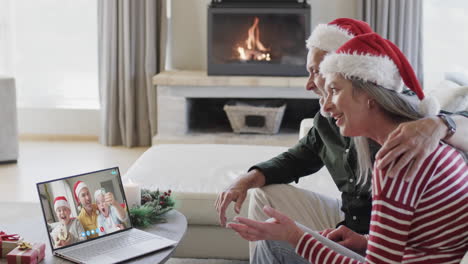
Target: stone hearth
178,92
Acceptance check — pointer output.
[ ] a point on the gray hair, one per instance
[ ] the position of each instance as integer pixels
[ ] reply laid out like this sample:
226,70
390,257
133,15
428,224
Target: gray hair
400,107
99,192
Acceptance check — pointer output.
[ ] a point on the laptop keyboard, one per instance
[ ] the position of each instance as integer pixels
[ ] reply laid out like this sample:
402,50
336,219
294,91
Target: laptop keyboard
91,250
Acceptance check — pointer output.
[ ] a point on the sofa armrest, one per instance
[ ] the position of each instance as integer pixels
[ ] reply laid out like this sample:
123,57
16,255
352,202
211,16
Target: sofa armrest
451,96
457,77
306,125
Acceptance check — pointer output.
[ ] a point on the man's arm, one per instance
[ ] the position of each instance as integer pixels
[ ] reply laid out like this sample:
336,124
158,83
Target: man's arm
110,200
412,142
237,192
300,160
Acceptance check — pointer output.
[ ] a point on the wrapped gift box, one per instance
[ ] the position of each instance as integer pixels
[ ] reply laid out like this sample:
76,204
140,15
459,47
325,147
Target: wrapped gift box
8,243
28,256
7,246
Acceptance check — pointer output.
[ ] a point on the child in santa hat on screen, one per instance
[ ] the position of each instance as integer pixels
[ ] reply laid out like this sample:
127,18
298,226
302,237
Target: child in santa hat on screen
109,219
70,229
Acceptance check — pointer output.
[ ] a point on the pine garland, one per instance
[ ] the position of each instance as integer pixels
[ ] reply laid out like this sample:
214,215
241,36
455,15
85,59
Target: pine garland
153,205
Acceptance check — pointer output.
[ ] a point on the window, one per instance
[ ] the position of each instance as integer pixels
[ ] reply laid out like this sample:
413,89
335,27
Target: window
51,49
445,39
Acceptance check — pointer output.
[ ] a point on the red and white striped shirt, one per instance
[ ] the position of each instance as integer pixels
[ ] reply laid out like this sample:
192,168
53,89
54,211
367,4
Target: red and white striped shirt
424,220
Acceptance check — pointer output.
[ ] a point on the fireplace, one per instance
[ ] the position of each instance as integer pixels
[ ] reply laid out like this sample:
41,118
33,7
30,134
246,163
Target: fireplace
258,37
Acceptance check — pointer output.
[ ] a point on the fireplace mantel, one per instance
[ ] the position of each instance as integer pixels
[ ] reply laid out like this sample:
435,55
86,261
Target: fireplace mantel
200,78
175,89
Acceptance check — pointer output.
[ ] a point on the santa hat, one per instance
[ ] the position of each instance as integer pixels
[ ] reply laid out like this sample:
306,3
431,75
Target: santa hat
375,59
60,201
329,37
77,188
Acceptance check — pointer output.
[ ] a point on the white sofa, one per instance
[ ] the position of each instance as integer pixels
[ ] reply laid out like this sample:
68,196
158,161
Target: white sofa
197,173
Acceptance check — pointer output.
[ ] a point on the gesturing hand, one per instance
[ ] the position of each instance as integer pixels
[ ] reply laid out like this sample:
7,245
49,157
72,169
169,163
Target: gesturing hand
279,227
237,193
234,193
350,239
109,198
412,142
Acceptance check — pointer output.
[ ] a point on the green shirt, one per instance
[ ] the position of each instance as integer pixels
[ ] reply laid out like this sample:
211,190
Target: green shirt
325,146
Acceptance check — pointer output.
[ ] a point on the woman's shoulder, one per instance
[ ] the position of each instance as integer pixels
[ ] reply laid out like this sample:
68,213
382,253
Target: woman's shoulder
444,161
443,157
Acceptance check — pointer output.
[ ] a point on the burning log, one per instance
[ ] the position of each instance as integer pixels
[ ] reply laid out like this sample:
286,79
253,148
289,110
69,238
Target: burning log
254,48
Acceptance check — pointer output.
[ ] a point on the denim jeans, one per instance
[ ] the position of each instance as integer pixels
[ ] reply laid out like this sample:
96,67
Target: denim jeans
275,252
269,251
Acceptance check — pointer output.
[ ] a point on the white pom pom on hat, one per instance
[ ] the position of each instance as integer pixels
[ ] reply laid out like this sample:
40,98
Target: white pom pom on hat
329,37
373,58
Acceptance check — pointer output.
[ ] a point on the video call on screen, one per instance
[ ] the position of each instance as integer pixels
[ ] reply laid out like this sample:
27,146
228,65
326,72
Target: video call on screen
83,207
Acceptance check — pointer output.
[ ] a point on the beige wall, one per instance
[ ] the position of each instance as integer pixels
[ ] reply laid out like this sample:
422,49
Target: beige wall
189,29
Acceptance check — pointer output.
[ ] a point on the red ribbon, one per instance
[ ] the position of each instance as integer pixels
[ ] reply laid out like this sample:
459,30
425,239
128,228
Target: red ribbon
5,237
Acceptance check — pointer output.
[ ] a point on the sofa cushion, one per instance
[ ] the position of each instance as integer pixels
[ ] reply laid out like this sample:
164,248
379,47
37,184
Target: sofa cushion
451,96
457,77
198,172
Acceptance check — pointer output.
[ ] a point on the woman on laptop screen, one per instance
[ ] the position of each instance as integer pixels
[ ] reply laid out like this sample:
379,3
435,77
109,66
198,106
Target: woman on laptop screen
109,219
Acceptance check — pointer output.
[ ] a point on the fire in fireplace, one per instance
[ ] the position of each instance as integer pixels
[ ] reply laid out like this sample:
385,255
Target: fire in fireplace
253,48
258,38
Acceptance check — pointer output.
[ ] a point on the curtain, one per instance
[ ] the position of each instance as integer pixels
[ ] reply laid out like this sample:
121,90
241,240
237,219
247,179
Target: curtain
5,38
129,56
399,21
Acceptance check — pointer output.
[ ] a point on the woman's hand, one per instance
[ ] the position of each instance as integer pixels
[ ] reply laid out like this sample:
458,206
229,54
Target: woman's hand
109,199
349,239
279,227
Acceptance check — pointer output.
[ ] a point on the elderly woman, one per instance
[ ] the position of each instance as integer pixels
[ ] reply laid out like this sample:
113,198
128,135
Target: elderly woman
109,219
422,220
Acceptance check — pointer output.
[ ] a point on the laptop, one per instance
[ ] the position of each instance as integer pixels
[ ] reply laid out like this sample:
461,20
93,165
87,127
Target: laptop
88,220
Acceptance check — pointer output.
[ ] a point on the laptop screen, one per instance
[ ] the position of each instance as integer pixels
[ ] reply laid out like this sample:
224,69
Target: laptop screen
83,207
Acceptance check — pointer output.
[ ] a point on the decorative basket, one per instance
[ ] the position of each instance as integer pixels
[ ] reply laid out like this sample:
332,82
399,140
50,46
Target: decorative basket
259,116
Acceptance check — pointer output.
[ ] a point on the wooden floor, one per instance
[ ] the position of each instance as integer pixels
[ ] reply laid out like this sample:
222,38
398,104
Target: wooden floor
41,160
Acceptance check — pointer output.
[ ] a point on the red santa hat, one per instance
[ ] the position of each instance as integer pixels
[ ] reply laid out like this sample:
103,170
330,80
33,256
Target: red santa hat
60,201
79,185
375,59
329,37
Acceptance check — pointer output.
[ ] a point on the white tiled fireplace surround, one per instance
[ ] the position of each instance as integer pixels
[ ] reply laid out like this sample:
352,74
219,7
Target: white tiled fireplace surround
177,89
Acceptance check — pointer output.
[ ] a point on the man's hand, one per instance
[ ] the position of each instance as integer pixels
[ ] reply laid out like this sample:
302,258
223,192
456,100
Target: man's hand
237,192
411,143
279,227
349,239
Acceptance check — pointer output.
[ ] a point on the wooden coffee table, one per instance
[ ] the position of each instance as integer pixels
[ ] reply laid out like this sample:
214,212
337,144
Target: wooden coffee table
26,220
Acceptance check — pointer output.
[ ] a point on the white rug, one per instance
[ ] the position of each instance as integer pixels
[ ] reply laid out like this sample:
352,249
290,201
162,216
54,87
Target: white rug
204,261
